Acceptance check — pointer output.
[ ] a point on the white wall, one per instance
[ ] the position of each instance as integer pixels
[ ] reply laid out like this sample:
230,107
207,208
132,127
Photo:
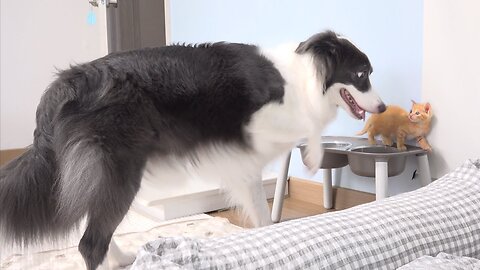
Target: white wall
37,37
451,80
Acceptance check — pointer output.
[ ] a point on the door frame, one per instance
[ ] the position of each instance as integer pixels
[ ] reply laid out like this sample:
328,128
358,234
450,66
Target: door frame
129,24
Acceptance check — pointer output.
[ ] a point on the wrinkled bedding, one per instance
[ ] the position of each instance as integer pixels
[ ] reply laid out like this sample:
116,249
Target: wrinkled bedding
135,231
443,261
387,234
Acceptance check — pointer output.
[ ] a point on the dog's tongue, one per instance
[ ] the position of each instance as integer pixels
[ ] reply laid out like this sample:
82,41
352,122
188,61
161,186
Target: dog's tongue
361,113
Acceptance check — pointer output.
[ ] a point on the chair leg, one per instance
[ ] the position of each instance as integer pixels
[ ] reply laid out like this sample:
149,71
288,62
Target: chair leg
280,189
381,179
424,169
327,189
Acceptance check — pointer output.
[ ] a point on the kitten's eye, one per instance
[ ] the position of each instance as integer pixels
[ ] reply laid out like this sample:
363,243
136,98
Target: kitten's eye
417,113
410,111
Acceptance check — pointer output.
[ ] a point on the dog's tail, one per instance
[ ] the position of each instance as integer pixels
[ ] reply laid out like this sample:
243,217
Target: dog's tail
34,196
28,197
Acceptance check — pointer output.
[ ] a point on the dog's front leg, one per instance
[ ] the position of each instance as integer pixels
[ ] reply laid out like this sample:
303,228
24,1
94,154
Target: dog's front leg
261,217
314,153
247,192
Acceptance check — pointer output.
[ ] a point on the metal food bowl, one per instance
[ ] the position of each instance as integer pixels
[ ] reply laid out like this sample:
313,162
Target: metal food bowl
336,145
362,159
331,159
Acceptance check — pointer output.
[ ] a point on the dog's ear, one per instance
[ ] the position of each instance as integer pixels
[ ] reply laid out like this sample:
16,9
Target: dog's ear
301,47
325,44
324,49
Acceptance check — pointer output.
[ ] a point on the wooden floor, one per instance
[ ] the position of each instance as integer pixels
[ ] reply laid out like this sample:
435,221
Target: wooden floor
305,199
7,155
292,209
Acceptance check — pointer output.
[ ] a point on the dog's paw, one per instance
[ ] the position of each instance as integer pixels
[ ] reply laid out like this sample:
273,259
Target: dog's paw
313,159
119,258
266,221
127,259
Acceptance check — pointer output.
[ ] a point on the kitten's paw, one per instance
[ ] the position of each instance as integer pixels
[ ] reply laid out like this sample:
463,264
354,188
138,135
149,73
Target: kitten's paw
402,148
427,148
387,142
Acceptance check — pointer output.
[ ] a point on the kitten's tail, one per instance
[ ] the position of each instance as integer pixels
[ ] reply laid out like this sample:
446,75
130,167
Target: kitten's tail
365,129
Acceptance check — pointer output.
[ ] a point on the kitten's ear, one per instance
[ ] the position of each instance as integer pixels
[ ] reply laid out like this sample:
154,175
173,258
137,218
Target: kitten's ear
428,107
413,101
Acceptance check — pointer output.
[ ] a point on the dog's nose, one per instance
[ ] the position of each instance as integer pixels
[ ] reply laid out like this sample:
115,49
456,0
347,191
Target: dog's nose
381,108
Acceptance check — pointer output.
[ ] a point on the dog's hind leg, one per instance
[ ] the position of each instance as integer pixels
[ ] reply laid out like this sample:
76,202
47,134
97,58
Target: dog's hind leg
105,215
107,209
102,153
102,180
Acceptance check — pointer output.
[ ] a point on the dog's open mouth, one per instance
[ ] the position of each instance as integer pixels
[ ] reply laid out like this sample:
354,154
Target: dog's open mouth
358,111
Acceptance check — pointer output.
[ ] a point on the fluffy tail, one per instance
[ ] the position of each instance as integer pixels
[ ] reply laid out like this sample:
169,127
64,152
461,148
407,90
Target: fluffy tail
28,197
31,188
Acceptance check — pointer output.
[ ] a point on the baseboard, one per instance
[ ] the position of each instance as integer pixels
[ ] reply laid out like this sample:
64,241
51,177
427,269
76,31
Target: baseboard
9,154
312,192
193,202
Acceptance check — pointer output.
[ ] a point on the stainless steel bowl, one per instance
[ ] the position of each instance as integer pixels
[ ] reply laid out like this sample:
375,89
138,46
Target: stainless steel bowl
362,159
331,159
336,145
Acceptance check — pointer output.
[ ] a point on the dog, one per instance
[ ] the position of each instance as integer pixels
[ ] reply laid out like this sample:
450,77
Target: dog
225,109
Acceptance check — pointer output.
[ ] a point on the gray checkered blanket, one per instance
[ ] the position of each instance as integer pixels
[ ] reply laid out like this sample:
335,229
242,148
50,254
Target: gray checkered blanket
442,217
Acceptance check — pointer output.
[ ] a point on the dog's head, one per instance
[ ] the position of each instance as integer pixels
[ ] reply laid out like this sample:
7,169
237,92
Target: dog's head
344,71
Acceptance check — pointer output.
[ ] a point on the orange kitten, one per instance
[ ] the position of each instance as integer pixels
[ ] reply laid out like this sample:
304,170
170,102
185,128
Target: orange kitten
397,123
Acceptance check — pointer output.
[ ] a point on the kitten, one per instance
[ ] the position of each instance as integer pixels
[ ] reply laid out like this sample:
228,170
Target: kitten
397,123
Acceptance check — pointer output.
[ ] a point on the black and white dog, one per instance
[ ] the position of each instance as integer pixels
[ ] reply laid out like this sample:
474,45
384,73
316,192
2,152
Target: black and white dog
224,109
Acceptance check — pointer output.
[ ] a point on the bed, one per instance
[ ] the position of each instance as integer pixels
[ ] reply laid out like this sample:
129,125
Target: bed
438,222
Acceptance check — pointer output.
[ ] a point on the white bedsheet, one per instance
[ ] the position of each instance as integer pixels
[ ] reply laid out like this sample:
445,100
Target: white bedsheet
134,232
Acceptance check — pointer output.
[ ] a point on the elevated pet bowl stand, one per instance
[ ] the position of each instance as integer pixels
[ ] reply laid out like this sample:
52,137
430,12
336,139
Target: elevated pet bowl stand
379,162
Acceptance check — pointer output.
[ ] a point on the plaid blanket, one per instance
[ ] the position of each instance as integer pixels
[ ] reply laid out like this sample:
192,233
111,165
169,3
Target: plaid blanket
441,217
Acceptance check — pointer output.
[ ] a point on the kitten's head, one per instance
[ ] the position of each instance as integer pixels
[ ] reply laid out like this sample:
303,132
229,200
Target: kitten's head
420,112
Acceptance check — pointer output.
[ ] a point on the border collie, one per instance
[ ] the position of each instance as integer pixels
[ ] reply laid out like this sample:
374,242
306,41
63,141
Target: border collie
224,109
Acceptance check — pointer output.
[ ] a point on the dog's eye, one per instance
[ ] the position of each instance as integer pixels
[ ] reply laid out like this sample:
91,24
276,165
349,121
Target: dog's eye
361,74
